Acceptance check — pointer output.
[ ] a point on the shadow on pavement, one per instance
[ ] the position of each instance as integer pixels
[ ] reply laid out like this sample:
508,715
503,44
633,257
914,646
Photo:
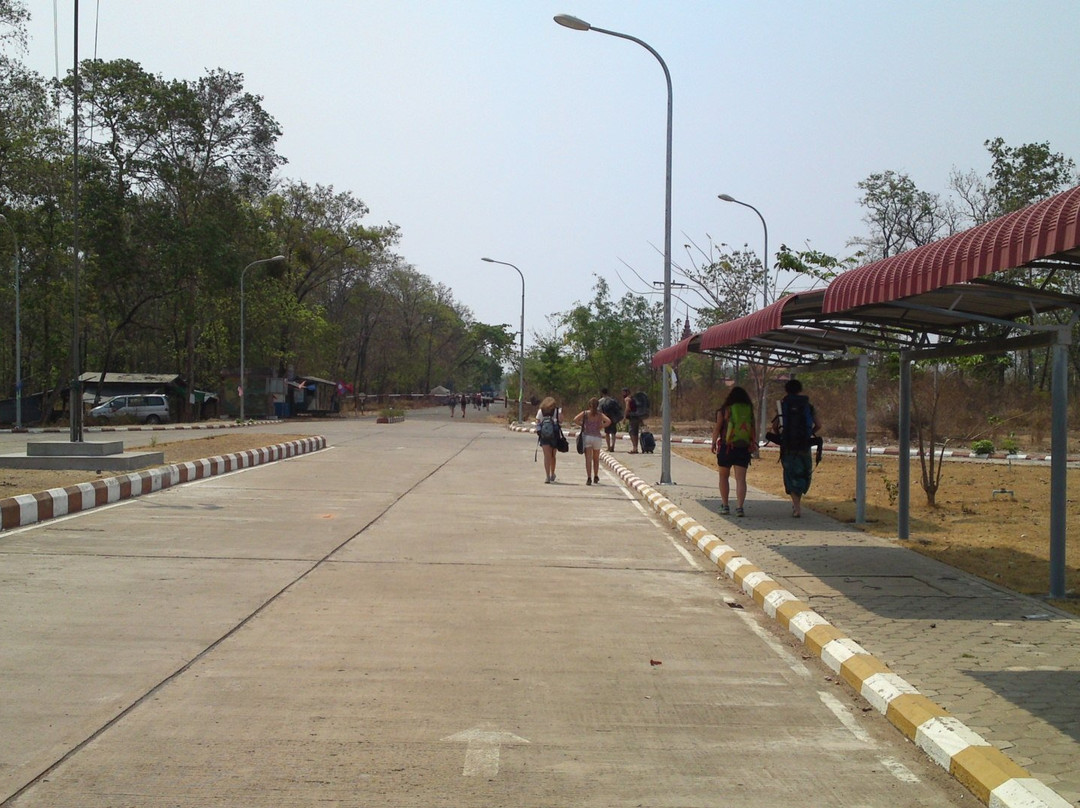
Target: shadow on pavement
1053,696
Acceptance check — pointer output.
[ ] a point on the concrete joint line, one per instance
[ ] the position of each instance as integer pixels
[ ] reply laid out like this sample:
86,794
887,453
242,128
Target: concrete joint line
28,509
986,771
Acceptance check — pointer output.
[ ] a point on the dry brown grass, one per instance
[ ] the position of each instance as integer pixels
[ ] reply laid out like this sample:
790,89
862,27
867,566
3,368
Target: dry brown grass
1004,538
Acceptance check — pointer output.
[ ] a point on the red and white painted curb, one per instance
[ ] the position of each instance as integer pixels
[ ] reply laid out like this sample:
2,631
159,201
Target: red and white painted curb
27,509
985,770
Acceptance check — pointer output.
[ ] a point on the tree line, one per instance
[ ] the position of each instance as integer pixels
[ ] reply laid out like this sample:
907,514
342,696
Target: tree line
179,190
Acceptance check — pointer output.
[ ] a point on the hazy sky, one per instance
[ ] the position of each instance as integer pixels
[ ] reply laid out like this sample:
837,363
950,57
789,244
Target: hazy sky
483,128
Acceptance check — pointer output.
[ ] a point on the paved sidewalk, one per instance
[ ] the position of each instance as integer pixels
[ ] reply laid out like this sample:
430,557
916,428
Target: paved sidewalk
1005,665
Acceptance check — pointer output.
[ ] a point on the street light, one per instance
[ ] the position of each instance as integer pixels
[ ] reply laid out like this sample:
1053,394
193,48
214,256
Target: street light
18,330
243,378
762,415
665,450
765,257
521,359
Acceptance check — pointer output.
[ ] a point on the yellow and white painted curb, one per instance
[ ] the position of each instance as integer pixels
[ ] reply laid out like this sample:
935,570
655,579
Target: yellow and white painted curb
985,770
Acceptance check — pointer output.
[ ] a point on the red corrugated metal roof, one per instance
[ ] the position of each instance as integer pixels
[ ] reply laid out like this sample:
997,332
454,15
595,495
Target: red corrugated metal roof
1038,231
672,354
745,328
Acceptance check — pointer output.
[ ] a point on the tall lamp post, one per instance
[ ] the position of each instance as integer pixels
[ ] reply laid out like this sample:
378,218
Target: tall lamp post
75,398
18,329
665,450
762,415
521,358
243,377
765,257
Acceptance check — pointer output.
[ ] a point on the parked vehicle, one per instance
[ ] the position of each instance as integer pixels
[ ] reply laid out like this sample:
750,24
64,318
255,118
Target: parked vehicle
144,409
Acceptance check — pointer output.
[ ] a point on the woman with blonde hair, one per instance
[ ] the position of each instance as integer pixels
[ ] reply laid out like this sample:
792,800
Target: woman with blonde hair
548,431
592,423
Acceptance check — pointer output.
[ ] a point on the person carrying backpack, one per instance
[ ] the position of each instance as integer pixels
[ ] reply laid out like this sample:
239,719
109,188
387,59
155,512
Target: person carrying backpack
797,425
635,411
614,411
734,437
548,432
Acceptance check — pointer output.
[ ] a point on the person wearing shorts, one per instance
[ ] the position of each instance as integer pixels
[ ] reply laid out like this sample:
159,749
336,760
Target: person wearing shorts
732,460
612,429
592,423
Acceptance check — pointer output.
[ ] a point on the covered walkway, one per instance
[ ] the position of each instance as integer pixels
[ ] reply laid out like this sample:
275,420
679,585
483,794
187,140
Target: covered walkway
1002,286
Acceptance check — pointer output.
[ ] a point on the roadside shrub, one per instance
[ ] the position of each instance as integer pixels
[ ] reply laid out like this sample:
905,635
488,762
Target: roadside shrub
983,447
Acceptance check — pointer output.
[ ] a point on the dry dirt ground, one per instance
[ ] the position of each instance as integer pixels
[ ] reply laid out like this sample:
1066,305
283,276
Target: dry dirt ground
1003,537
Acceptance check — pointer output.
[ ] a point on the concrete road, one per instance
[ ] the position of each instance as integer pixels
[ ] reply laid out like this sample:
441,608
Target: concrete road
412,618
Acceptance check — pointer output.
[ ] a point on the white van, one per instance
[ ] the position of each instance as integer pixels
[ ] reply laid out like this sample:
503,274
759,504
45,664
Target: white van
151,408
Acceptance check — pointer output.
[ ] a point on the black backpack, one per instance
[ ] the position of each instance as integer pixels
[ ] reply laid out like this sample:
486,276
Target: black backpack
796,423
639,405
611,408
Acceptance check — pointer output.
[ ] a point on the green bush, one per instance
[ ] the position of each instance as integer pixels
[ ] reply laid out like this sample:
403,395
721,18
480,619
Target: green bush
1010,445
983,447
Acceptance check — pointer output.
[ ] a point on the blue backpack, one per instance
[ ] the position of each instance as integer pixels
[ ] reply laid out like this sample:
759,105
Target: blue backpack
548,429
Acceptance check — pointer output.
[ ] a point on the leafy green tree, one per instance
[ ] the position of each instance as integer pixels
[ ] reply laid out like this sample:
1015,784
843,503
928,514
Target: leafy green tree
900,216
613,340
726,280
549,371
1025,174
330,251
212,156
814,263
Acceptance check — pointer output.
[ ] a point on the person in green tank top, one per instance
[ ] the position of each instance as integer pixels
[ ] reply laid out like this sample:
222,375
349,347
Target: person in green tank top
734,437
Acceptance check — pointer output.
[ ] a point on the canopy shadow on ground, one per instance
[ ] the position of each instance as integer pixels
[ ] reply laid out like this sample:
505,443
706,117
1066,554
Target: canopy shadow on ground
898,584
1053,696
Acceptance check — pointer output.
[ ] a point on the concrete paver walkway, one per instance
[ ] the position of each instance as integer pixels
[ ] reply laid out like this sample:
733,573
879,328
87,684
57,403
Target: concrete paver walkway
1004,664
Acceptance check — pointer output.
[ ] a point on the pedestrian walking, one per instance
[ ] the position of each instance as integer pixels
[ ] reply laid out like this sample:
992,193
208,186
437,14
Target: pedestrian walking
548,432
797,425
613,409
733,438
592,423
633,418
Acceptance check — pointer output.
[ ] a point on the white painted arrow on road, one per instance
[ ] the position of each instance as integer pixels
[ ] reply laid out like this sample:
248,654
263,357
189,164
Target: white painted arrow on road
482,753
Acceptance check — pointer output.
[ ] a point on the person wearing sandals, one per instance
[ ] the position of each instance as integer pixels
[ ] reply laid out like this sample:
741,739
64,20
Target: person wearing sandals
733,438
592,423
548,412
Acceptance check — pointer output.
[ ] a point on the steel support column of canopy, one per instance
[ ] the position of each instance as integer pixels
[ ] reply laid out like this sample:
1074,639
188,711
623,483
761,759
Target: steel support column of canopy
861,385
903,504
1059,446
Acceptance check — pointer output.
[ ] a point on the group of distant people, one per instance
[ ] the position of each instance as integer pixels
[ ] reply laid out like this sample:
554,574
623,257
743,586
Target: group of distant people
599,423
479,401
794,428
